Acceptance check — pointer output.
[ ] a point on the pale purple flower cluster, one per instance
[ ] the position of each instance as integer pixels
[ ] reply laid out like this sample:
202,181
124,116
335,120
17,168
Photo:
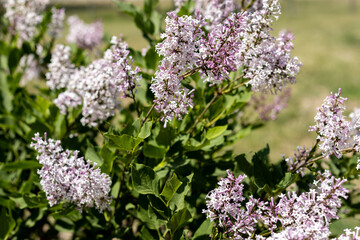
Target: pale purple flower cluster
179,3
179,49
65,177
219,49
225,207
96,87
61,70
334,131
216,11
304,216
85,36
269,65
24,16
298,162
308,215
57,22
232,41
269,109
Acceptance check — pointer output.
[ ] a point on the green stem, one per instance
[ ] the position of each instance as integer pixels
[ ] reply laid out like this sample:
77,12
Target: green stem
147,115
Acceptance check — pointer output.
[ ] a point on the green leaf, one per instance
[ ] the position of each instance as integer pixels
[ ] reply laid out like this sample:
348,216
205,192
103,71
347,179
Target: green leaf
243,165
146,234
92,155
203,231
43,105
338,226
20,165
7,222
126,8
170,188
108,159
215,132
149,6
35,201
145,130
159,206
14,59
153,151
123,142
178,199
178,220
152,58
287,180
144,179
5,94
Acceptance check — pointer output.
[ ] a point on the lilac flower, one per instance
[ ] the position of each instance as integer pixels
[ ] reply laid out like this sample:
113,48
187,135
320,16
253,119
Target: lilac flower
269,65
31,68
298,163
95,87
85,36
350,235
270,110
308,215
57,22
334,131
224,206
179,3
179,49
219,48
24,16
216,11
304,216
67,178
61,70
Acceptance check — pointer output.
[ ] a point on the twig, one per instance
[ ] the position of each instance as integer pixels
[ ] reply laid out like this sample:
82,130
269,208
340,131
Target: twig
147,115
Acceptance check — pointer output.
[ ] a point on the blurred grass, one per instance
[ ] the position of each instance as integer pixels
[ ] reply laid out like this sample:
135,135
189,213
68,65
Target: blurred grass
327,41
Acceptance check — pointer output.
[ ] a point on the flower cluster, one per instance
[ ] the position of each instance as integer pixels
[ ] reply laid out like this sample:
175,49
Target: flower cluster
61,70
308,215
216,11
97,86
304,216
24,16
85,36
270,110
298,163
65,177
57,22
269,65
232,41
224,206
219,49
179,49
334,131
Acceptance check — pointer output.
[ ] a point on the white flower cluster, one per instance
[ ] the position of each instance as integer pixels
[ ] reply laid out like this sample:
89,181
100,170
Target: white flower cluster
66,177
96,87
24,16
85,36
57,21
335,133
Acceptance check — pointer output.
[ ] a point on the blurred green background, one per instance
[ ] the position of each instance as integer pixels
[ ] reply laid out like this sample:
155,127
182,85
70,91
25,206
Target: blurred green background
327,41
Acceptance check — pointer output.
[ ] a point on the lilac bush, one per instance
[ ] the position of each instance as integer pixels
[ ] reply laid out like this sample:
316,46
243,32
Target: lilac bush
145,138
